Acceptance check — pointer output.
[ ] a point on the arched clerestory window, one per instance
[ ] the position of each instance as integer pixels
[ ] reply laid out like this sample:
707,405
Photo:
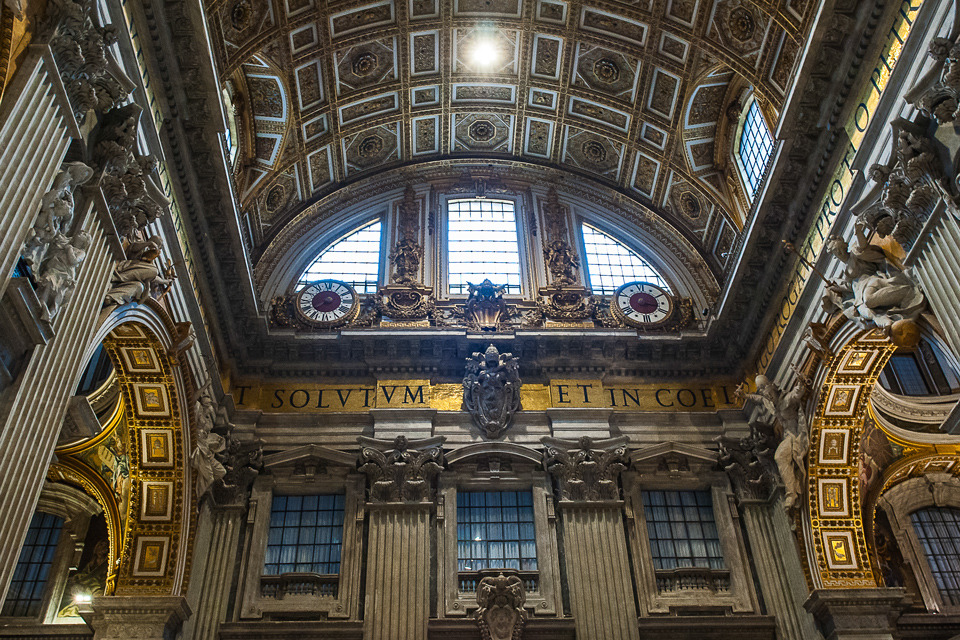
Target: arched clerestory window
754,148
610,263
354,259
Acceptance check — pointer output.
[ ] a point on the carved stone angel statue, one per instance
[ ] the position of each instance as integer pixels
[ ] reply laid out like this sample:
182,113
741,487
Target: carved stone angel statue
58,274
874,292
56,212
491,390
203,458
139,277
786,408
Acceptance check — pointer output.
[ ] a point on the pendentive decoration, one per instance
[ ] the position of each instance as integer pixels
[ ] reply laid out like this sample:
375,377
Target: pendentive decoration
491,390
586,469
500,595
401,470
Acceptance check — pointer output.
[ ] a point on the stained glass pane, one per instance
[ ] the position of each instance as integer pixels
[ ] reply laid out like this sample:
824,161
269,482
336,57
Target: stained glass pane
938,530
30,575
756,147
682,529
482,244
354,259
305,535
500,533
610,263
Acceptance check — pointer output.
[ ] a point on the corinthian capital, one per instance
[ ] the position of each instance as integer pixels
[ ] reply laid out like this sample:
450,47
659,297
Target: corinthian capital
586,469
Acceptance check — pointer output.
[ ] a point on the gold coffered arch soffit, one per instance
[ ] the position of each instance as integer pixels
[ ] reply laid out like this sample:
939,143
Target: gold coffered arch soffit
840,537
149,509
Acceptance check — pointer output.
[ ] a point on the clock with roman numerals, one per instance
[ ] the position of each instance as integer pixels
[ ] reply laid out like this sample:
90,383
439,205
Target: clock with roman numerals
642,305
327,303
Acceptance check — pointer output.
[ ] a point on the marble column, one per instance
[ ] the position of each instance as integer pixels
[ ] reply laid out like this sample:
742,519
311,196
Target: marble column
398,572
587,473
857,614
401,476
215,555
140,617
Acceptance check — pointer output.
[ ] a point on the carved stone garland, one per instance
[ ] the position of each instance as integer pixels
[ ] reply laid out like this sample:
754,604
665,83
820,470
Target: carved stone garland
565,299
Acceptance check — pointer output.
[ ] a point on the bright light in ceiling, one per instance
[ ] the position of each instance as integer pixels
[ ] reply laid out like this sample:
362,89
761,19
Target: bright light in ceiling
485,54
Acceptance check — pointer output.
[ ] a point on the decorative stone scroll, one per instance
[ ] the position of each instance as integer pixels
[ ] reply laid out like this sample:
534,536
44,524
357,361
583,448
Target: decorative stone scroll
501,615
586,469
401,470
486,309
491,390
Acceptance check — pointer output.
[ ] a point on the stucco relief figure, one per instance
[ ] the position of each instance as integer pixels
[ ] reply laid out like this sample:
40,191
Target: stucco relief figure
56,212
203,458
139,277
873,292
491,390
786,409
58,273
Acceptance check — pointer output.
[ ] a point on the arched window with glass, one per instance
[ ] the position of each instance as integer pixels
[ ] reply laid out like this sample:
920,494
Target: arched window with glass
354,259
611,263
754,148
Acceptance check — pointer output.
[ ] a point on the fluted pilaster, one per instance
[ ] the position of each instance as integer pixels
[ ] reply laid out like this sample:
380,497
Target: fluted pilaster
398,572
598,570
32,411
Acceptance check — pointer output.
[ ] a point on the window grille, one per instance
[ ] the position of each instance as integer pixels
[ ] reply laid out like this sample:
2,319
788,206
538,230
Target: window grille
938,530
611,263
33,568
306,535
756,147
682,530
354,259
495,530
923,372
482,243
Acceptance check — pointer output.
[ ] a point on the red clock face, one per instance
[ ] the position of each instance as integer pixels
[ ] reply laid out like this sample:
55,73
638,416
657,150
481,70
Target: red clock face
642,304
326,301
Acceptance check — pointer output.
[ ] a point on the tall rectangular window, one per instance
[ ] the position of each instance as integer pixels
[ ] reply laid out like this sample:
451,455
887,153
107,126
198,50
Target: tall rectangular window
306,535
495,530
938,530
682,530
33,567
482,243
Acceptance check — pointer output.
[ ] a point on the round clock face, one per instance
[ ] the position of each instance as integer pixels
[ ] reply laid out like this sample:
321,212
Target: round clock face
327,302
641,304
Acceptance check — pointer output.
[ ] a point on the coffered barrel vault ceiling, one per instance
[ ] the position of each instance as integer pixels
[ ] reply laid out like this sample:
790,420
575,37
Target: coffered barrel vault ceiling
632,94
